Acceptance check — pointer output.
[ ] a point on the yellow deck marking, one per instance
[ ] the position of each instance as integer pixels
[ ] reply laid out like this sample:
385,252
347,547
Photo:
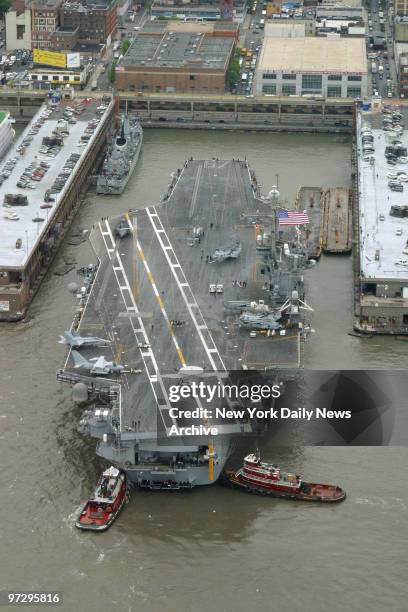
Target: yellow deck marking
118,353
162,307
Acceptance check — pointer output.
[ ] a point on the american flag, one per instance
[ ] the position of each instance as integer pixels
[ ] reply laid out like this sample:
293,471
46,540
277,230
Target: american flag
293,217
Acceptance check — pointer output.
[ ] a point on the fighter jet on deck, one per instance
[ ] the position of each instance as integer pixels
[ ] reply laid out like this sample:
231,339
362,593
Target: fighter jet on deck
230,252
74,340
259,321
98,366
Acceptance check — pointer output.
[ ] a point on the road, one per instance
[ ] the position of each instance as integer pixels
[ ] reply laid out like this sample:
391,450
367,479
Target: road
251,38
126,31
385,82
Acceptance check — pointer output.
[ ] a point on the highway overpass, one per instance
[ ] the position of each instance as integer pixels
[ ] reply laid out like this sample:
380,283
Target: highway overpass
211,111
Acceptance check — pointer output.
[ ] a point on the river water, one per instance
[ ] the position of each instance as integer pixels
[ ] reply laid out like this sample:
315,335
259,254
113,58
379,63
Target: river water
212,548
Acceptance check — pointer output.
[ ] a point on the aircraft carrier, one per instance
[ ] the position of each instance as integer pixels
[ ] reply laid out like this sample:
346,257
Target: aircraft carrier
169,290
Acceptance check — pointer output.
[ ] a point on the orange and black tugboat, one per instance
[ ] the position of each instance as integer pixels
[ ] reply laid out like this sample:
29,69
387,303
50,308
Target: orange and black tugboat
268,479
107,501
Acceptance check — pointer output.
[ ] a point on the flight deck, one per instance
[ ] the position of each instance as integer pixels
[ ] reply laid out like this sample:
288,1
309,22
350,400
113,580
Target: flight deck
165,278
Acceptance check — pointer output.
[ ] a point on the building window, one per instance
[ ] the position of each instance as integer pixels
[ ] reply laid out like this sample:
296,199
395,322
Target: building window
269,89
334,92
289,90
20,32
353,77
66,78
55,77
192,77
44,77
289,77
312,81
353,92
269,75
334,77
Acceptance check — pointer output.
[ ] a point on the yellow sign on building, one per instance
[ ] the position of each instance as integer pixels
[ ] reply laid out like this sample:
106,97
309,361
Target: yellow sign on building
49,58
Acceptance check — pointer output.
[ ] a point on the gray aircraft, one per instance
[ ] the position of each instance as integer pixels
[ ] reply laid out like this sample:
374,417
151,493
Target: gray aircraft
231,252
98,366
74,340
261,320
237,305
123,229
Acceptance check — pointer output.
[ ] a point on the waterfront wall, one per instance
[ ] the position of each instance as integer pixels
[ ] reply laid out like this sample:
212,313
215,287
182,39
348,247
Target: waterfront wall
265,113
235,112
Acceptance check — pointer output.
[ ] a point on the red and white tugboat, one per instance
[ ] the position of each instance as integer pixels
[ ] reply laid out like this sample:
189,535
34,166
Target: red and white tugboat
268,479
107,501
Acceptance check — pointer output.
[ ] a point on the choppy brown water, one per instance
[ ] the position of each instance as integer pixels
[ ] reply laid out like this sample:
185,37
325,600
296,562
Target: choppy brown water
212,548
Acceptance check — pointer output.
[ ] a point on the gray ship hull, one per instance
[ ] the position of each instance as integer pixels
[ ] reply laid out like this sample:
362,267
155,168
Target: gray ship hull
107,185
164,468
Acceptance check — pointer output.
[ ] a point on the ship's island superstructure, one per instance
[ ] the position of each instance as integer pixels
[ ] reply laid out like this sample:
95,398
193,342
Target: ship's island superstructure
202,286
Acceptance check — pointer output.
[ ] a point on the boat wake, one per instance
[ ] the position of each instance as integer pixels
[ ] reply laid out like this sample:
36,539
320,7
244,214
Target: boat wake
392,502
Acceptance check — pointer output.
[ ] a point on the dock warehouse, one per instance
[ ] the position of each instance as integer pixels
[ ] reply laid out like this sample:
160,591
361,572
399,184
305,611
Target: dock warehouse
42,177
382,302
327,67
189,58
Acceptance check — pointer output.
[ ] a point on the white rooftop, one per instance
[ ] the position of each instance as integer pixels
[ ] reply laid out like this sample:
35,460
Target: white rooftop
381,246
24,228
314,54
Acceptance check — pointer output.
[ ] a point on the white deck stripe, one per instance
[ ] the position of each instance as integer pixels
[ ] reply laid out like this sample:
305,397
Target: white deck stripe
140,321
189,307
161,306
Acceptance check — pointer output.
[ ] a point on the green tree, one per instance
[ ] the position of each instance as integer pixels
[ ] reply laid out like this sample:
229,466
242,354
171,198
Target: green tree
4,6
233,71
112,72
125,45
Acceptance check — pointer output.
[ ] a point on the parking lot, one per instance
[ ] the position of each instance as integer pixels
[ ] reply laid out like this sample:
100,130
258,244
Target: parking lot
15,66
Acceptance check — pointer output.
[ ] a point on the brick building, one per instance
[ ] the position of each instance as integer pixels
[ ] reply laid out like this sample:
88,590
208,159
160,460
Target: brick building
96,22
188,58
60,25
44,23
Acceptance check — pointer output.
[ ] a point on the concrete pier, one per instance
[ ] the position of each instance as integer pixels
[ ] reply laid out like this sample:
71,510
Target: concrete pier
47,180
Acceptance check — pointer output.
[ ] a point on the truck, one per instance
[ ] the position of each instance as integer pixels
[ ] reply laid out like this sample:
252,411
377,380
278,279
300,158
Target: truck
94,85
380,69
373,67
380,14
